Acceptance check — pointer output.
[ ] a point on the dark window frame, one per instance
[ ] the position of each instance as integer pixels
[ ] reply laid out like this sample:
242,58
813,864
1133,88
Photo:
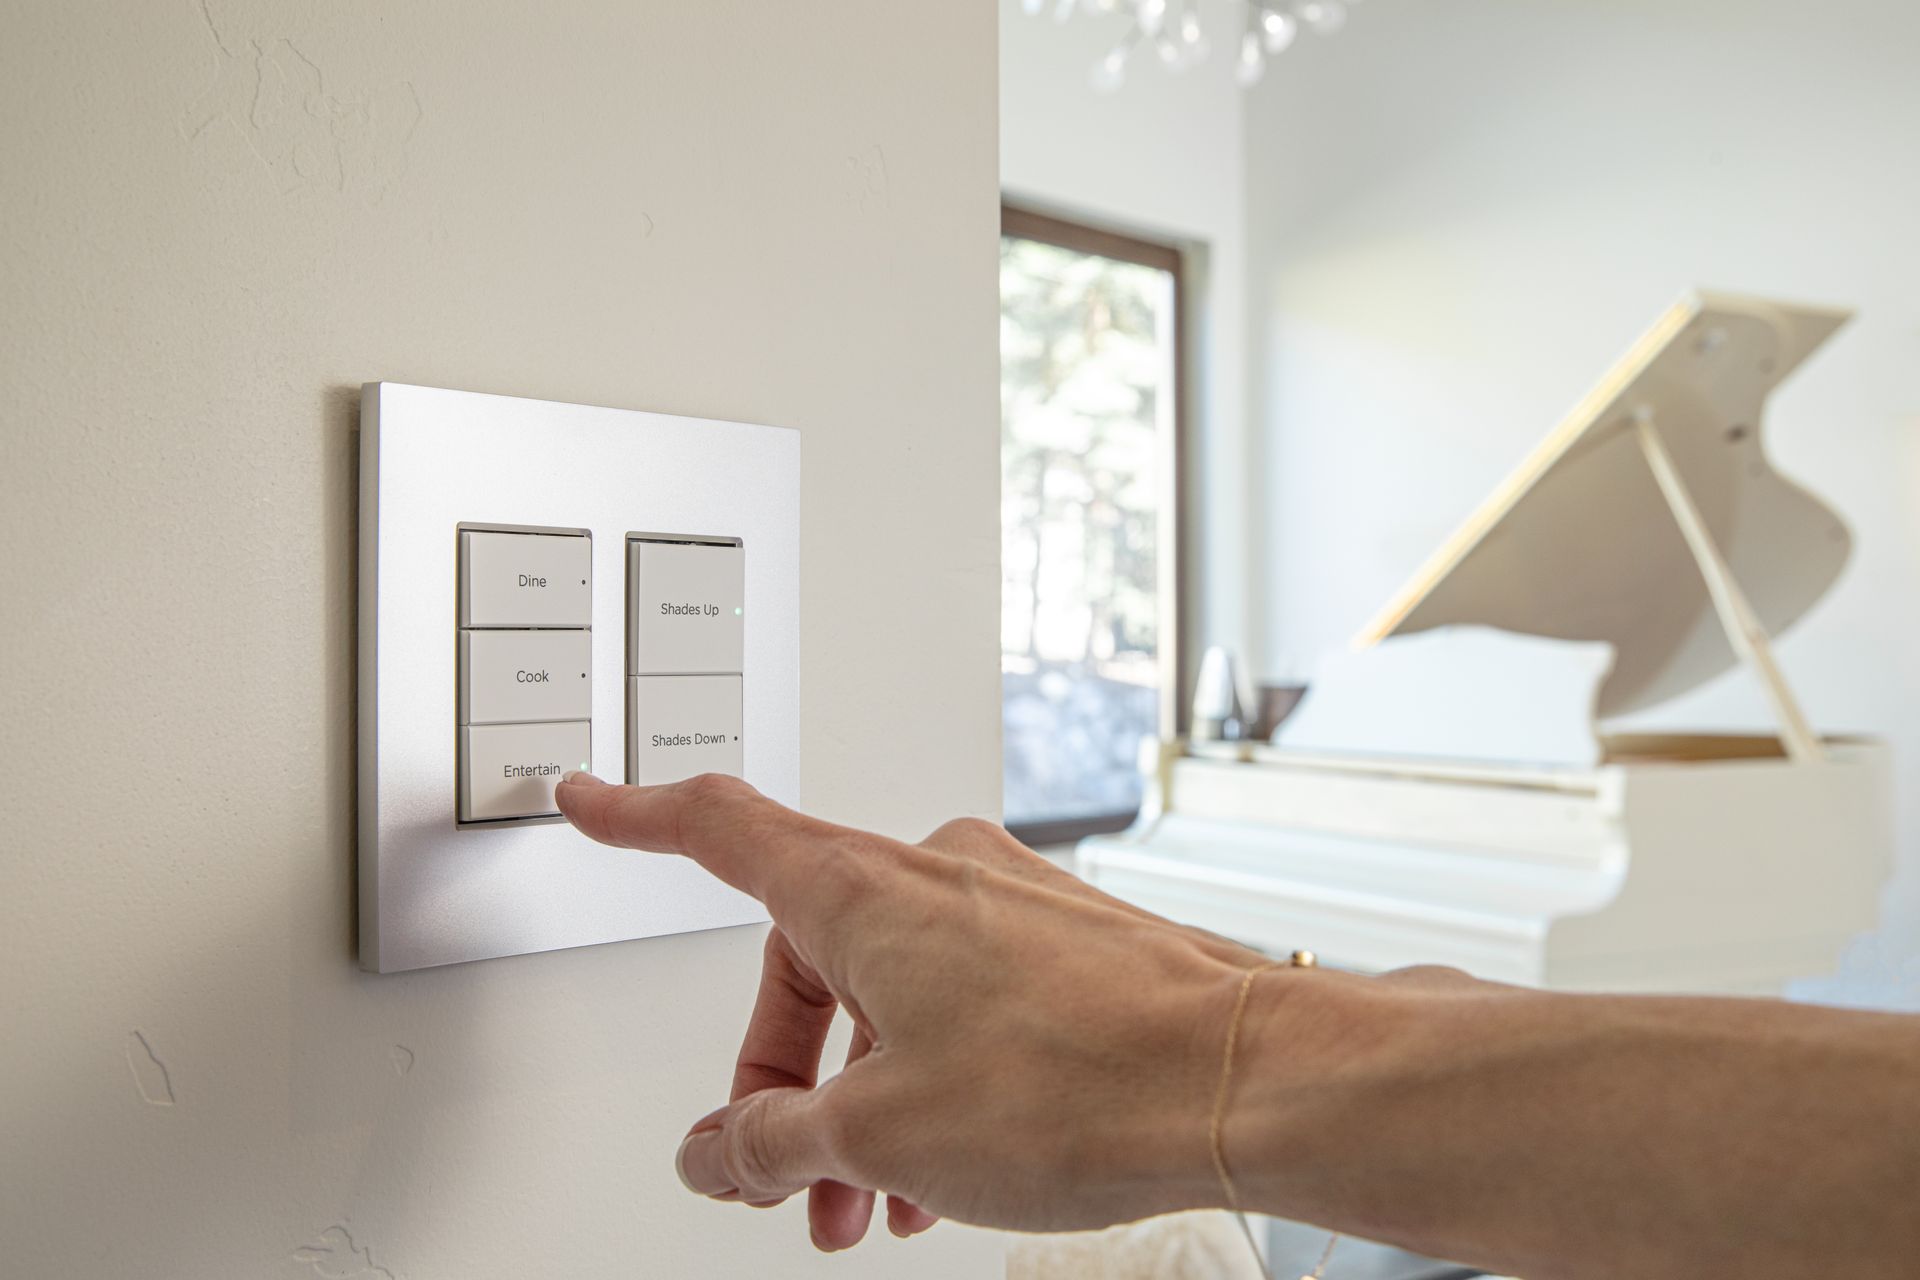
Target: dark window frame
1024,223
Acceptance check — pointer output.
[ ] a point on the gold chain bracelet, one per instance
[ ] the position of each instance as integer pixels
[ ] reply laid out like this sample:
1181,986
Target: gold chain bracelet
1217,1130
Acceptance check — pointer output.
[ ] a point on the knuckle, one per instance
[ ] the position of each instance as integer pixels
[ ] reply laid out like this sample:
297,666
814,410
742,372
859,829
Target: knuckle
749,1156
708,801
969,829
715,790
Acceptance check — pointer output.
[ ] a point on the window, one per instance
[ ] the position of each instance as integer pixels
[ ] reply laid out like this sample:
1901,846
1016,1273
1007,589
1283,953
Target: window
1089,411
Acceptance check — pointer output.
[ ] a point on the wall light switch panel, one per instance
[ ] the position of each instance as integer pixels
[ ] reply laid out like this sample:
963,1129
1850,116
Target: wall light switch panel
545,586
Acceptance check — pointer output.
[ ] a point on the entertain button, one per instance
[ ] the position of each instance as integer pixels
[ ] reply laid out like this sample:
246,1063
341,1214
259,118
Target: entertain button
678,726
509,770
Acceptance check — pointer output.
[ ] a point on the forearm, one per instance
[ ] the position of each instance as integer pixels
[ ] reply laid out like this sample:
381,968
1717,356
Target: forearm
1580,1136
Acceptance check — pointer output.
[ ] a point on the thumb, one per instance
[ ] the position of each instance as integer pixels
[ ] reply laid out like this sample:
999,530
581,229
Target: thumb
763,1148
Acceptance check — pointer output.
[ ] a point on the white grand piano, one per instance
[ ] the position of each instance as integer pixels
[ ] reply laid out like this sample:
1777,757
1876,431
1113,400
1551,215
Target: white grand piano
1446,793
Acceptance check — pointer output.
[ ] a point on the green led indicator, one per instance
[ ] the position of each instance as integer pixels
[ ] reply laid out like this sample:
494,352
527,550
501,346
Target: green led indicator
736,611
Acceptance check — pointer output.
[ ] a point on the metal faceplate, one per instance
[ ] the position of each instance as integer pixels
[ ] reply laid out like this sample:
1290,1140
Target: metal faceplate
433,892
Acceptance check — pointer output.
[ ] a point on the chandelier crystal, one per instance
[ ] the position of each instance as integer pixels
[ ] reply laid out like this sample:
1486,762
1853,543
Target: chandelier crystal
1170,32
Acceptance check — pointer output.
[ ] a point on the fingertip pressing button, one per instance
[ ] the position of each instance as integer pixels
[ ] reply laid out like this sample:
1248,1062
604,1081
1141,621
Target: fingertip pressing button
510,770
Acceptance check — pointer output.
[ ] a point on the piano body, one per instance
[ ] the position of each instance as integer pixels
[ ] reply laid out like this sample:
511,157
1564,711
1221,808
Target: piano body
1444,795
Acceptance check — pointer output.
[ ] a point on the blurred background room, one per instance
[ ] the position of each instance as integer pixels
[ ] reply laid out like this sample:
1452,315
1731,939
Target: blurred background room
1289,289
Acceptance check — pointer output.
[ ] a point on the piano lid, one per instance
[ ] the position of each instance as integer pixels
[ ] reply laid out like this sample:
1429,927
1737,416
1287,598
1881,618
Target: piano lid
1579,543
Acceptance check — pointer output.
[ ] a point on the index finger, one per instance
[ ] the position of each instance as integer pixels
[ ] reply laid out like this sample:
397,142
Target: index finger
757,845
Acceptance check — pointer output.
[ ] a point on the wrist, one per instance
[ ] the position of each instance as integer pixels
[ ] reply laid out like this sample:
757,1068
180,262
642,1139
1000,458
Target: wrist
1318,1053
1157,1137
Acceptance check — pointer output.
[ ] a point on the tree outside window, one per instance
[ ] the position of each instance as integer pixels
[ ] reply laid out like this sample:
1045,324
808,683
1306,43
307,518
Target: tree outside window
1088,407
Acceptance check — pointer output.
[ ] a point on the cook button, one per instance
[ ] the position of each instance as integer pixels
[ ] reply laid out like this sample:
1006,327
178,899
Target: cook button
525,675
509,770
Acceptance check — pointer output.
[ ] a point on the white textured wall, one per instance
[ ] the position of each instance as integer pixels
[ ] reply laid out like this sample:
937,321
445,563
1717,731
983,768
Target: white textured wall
216,221
1462,213
1162,158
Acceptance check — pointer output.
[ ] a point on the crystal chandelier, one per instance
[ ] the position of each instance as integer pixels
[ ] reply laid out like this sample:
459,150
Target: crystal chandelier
1170,32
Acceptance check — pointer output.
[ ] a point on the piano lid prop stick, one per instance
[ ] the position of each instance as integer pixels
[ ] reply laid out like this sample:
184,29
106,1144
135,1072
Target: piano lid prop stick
1744,630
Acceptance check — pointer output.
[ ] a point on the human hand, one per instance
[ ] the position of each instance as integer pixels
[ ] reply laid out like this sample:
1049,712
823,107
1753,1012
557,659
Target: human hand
1027,1052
